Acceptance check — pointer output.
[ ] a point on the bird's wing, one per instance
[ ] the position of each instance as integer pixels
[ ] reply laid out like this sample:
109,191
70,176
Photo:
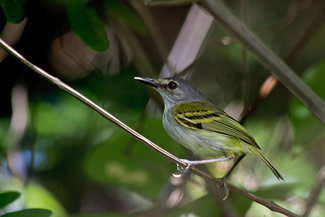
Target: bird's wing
206,116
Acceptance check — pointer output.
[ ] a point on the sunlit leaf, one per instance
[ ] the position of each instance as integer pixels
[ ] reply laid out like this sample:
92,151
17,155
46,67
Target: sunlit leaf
295,181
56,119
29,213
36,196
14,10
87,25
122,161
8,197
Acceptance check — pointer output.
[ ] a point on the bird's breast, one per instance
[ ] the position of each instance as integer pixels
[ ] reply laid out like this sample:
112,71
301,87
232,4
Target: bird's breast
199,142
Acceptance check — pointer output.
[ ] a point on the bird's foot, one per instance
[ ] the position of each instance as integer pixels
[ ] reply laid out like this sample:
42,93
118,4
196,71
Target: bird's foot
183,170
225,187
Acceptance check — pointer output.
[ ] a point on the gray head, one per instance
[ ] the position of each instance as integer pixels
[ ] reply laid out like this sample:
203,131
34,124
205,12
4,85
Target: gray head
173,90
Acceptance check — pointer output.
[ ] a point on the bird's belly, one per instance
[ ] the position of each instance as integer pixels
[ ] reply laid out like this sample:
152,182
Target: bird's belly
200,142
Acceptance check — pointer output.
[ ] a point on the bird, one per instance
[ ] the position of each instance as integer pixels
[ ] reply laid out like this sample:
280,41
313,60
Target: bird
200,126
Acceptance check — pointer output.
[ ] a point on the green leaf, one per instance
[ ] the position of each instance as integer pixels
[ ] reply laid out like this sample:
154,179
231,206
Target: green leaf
8,197
117,8
14,10
63,118
35,196
132,164
307,127
87,25
242,204
29,213
277,191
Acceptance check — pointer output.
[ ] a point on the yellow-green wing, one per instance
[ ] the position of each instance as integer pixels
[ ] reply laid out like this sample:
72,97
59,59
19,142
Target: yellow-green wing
206,116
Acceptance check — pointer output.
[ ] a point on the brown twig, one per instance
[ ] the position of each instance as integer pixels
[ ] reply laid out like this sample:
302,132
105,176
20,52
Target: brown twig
269,204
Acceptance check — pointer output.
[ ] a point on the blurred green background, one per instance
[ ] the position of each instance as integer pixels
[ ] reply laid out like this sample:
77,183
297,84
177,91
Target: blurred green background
59,158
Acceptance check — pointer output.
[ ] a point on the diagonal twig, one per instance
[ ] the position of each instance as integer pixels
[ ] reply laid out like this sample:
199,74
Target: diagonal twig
271,81
314,195
265,56
267,203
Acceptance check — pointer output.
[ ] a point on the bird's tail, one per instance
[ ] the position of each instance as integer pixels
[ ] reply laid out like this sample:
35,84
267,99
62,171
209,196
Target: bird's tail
257,152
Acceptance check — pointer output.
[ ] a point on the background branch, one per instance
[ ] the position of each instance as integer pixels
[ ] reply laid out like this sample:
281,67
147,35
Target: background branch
314,195
271,81
269,204
270,60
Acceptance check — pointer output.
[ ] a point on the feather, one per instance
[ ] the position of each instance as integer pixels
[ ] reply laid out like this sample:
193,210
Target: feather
206,116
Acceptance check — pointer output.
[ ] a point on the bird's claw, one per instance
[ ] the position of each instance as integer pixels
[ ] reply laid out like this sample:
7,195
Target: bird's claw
183,170
225,187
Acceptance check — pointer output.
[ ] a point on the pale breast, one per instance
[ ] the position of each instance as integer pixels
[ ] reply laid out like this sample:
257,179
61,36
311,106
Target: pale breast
201,143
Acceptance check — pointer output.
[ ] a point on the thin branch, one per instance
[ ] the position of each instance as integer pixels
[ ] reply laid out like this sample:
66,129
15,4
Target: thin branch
314,195
269,59
153,28
271,81
269,204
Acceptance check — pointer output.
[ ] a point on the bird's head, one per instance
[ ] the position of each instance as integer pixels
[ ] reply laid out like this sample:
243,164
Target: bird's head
173,90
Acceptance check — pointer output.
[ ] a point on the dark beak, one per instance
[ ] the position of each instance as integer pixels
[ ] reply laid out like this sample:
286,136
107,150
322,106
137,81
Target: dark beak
148,81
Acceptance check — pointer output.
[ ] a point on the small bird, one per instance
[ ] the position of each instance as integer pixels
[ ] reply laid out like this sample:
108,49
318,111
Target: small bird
201,127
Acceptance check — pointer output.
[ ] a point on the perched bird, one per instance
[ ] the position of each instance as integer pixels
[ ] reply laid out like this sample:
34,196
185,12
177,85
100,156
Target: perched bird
200,126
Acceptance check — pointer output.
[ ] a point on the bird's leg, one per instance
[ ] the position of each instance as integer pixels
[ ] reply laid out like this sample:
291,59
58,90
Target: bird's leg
182,171
235,164
224,178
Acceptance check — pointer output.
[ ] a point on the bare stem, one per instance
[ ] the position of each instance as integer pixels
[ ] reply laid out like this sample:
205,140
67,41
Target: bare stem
271,81
267,57
269,204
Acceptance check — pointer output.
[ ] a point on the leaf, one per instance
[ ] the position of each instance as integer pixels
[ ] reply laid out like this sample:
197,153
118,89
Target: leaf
306,125
119,162
8,197
61,118
118,8
29,213
277,191
87,25
35,196
242,204
14,10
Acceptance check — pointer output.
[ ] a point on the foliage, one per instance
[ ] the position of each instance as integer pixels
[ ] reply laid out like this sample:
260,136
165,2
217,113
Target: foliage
85,22
8,197
14,10
66,160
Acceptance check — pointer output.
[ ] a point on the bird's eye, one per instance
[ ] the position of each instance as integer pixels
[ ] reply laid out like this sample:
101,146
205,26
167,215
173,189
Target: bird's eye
172,85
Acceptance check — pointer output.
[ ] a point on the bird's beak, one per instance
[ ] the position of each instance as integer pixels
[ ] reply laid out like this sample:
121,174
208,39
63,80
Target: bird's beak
148,81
